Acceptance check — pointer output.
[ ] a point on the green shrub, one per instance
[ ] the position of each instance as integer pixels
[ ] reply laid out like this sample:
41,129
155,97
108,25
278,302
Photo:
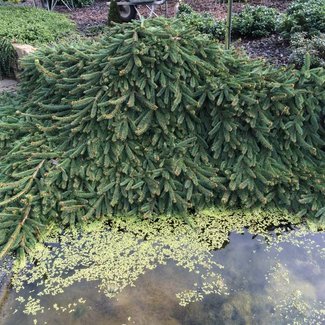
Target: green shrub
304,16
185,9
255,21
302,44
204,23
113,14
82,3
33,25
8,59
156,119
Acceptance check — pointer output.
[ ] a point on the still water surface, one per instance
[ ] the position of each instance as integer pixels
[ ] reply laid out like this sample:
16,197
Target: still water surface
279,284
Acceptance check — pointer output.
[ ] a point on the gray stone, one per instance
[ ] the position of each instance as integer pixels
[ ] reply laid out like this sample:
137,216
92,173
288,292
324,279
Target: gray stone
23,49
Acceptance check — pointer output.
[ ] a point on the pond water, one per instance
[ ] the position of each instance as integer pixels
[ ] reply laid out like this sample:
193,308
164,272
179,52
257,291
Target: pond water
251,280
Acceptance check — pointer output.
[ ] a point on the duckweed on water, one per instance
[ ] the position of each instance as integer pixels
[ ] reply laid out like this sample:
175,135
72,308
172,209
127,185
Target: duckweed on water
298,305
116,255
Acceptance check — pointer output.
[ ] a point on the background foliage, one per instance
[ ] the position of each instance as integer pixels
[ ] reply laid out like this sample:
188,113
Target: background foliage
81,3
202,22
304,16
32,25
302,44
255,21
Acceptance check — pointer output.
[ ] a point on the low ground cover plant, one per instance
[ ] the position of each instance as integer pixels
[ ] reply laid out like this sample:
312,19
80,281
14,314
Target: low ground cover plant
33,25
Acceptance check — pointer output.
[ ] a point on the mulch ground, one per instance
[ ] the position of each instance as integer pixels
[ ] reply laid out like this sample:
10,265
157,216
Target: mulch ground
94,15
270,48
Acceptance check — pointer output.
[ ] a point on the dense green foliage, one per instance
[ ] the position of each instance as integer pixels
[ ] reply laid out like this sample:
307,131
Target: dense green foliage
203,22
255,21
32,25
301,44
155,118
7,58
304,16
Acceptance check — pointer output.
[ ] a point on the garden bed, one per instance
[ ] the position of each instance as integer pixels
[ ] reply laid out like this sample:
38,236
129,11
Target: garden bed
270,48
96,14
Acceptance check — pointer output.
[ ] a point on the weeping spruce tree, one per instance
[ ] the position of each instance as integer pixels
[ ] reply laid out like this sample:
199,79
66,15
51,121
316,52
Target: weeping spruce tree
154,119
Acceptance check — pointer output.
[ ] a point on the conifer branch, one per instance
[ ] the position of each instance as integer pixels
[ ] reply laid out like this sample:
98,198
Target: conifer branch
26,188
15,234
